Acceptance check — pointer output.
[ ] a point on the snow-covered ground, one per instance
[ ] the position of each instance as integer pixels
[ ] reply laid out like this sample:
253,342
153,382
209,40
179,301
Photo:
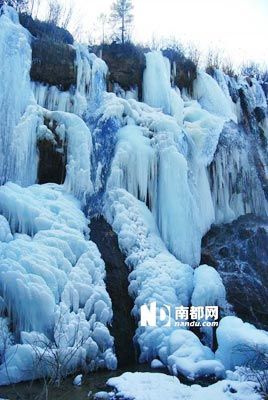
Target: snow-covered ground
146,386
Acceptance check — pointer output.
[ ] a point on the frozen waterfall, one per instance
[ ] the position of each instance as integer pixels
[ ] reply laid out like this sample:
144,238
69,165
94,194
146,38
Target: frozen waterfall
161,171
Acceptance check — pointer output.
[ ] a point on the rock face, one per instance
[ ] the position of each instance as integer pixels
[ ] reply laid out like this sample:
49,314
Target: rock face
53,57
184,70
52,159
123,325
126,64
239,252
53,63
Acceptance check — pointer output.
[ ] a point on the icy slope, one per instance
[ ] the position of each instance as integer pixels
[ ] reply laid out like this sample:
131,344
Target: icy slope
51,269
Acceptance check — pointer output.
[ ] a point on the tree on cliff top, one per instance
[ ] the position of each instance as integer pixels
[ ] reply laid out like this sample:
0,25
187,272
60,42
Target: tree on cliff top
121,14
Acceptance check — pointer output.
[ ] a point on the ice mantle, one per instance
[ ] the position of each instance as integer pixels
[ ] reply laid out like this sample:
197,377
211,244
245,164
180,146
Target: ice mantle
51,286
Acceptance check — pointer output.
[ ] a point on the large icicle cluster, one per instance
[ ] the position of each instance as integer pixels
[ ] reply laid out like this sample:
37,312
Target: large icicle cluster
16,140
51,286
158,276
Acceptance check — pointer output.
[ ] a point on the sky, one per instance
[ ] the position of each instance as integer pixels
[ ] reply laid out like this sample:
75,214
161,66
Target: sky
239,28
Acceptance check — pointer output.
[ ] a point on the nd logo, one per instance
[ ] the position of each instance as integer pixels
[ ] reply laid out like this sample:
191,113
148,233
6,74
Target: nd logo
155,316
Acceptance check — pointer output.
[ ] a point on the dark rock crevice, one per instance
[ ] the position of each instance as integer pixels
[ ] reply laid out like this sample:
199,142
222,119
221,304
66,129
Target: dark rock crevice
52,157
123,324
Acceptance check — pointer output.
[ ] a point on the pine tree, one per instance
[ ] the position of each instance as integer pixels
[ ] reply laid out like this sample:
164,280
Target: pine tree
121,13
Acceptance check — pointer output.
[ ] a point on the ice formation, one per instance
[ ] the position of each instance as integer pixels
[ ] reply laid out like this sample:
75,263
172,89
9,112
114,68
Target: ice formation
162,171
158,276
15,95
59,274
240,342
212,98
208,288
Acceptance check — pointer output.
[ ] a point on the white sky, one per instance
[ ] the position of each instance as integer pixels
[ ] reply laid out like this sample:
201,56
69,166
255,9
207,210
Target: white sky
238,27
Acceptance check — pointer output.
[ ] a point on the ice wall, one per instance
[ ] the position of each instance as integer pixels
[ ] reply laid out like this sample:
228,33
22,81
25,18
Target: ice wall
15,95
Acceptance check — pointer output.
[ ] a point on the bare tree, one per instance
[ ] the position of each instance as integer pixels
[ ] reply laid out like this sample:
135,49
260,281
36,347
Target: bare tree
256,366
214,60
34,7
121,14
19,5
54,12
66,17
103,19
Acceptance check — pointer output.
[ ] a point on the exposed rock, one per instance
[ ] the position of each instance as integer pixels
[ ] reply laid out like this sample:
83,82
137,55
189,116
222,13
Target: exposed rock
53,63
52,159
123,324
126,64
185,69
53,57
239,252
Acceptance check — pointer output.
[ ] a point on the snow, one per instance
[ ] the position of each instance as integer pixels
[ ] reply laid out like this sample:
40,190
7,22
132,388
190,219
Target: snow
208,288
50,268
102,396
78,380
239,342
157,364
154,386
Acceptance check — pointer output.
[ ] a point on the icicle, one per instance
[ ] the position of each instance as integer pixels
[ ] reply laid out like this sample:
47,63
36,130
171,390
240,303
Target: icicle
17,160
